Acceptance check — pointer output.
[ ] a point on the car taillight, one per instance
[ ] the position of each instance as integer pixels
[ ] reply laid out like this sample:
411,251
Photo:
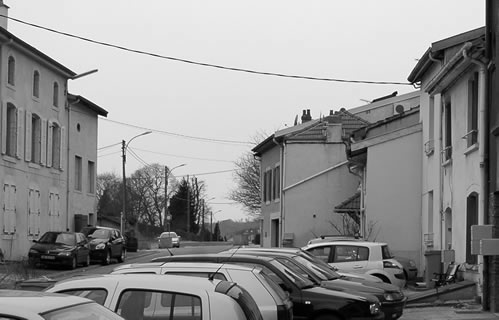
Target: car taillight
284,313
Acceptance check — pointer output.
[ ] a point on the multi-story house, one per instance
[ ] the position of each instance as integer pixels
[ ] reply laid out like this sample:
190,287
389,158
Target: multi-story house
41,135
451,74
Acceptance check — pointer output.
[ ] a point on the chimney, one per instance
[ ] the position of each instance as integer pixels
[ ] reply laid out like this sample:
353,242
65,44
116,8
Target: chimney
306,116
4,11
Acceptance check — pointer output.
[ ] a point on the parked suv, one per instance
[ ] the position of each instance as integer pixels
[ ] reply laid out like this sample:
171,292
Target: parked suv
273,302
106,244
151,296
310,301
373,258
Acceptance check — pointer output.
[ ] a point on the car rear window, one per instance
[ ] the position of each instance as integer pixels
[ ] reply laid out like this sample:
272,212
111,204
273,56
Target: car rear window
99,295
386,252
245,301
275,287
82,312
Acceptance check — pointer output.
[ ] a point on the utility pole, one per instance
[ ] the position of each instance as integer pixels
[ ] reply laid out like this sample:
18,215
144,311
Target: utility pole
166,200
123,216
188,206
202,219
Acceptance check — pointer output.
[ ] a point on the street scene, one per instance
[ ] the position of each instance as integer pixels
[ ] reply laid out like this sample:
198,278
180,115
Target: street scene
279,160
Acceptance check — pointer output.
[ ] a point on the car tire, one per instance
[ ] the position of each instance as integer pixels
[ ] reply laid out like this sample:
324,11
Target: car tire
107,258
122,256
74,263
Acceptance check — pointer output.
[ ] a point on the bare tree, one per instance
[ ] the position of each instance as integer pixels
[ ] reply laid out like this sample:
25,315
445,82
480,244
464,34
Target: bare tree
248,190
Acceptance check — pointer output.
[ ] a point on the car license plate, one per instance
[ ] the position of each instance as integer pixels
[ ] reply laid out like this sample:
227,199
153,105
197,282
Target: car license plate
48,257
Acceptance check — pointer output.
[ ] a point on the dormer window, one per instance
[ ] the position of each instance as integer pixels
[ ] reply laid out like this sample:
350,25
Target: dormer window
11,71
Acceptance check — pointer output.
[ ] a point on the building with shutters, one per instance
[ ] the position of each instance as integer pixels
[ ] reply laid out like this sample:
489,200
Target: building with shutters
48,145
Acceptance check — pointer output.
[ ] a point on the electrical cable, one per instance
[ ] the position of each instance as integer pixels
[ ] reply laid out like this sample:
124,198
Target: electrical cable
109,146
206,173
203,63
185,157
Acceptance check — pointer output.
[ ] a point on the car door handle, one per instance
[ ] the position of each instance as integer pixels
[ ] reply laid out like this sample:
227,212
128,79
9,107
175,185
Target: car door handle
357,267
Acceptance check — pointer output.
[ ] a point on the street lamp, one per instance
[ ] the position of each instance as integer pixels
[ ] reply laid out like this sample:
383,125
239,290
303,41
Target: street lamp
124,146
211,223
167,174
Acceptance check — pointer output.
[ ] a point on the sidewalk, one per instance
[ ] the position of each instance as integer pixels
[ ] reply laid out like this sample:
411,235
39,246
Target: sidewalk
457,311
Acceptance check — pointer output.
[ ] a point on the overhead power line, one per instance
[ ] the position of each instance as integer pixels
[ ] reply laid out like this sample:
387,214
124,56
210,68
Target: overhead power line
204,64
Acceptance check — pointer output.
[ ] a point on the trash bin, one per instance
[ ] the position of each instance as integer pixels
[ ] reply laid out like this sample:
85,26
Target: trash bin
433,265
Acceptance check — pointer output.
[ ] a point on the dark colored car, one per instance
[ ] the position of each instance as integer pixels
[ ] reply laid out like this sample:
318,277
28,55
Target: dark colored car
107,244
310,301
391,297
60,248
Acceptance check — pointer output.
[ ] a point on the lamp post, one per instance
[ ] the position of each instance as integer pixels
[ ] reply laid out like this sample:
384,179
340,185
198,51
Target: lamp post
124,146
211,223
167,174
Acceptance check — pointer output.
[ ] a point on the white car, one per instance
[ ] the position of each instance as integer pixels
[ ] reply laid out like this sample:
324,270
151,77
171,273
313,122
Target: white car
273,302
35,305
373,258
169,240
151,296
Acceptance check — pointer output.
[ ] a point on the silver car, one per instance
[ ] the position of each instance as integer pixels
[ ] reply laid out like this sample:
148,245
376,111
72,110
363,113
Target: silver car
273,302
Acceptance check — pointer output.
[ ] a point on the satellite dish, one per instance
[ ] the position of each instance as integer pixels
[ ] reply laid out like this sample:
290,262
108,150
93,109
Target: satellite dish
399,108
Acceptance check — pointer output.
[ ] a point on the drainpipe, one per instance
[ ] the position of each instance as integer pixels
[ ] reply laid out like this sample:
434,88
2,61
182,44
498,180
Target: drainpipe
67,162
483,154
282,194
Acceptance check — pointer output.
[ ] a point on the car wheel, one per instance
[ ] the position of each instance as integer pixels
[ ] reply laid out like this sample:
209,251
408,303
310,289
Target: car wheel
122,257
327,317
74,263
382,277
107,259
87,261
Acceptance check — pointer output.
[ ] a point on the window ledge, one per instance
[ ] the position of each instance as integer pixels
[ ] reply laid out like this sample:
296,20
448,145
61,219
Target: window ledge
9,158
35,98
277,200
34,165
267,202
55,171
11,236
471,149
447,163
10,86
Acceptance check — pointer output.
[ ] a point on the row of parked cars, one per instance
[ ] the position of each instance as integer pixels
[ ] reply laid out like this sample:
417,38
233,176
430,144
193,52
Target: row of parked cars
71,249
241,283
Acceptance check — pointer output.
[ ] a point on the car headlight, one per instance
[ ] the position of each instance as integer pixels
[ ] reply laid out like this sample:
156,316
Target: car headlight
33,251
393,296
412,263
100,246
389,264
374,308
64,253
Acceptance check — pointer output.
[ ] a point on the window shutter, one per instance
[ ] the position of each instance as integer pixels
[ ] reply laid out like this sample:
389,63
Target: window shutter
30,214
43,145
4,128
38,212
19,133
62,151
49,144
13,208
27,147
6,194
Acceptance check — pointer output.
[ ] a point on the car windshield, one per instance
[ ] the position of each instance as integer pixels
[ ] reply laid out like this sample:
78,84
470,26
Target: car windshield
316,270
168,235
100,234
320,265
295,277
58,238
85,311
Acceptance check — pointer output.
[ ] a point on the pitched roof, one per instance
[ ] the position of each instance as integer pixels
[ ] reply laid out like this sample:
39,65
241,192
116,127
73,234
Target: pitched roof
87,103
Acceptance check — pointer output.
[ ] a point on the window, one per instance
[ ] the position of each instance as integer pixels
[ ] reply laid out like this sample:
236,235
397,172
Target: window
55,99
98,295
447,123
36,84
78,173
144,304
91,177
55,146
11,72
9,208
11,126
33,212
471,135
267,185
350,253
36,138
321,253
277,183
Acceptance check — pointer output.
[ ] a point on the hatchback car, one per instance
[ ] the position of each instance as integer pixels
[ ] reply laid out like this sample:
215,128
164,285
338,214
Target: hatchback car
155,297
30,305
273,302
373,258
106,244
169,240
60,248
310,301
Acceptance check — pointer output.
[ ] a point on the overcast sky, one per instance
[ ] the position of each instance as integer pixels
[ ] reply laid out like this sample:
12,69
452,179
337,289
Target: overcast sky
352,40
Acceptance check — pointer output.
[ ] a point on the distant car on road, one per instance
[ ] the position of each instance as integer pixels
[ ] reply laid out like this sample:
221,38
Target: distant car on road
168,240
60,248
151,296
30,305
